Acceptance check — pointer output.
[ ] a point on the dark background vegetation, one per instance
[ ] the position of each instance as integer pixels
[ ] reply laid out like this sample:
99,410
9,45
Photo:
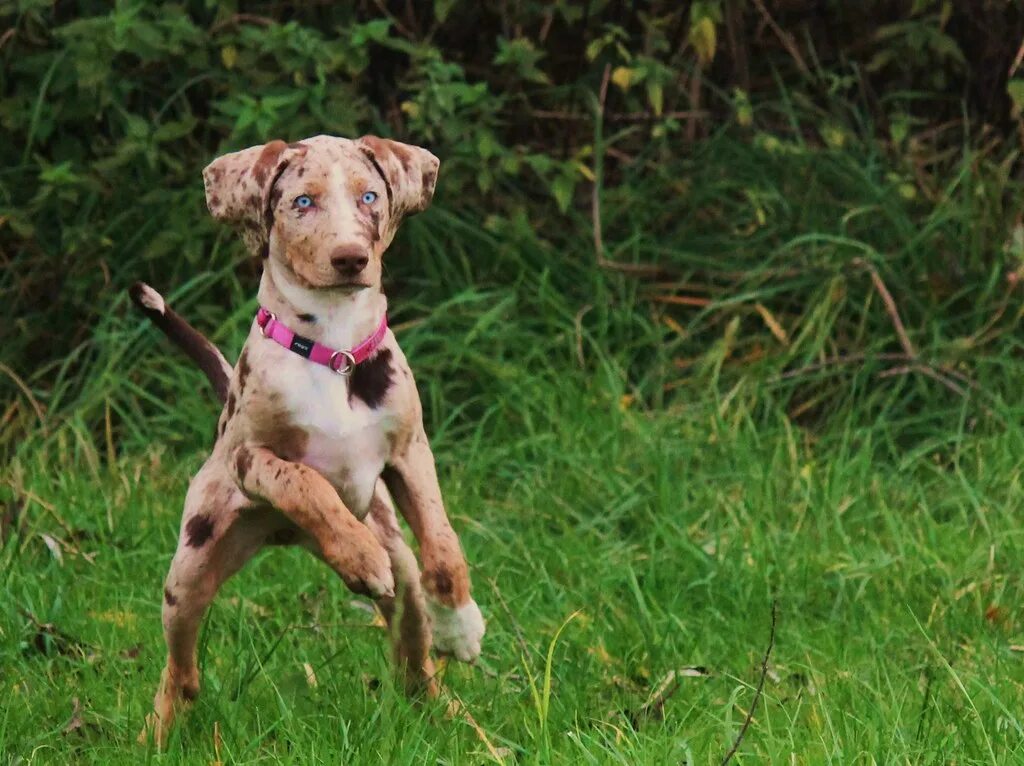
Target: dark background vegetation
671,115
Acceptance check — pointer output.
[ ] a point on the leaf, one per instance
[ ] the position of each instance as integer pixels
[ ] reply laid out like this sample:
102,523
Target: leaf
442,8
229,56
773,324
624,77
656,96
703,39
562,188
310,675
76,721
54,547
521,56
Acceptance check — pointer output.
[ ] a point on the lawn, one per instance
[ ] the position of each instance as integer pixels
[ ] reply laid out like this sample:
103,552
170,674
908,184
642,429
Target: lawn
636,483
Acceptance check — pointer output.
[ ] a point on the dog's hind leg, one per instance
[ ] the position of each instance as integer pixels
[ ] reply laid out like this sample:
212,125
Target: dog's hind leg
406,613
219,533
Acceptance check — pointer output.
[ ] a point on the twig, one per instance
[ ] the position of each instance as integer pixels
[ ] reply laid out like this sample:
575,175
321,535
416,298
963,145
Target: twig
670,684
240,18
680,300
835,361
25,390
890,306
595,194
456,706
1016,60
784,37
926,370
757,692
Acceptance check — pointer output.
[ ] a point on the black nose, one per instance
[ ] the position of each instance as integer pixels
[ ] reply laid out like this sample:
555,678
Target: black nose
349,260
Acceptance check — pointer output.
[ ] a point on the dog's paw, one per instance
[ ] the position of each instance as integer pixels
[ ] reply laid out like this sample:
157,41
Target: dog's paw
458,631
366,568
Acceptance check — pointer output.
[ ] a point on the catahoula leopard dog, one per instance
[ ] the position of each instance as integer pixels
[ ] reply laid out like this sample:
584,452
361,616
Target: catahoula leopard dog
322,424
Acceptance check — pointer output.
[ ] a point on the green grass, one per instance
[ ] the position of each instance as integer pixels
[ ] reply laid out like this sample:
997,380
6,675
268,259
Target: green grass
644,470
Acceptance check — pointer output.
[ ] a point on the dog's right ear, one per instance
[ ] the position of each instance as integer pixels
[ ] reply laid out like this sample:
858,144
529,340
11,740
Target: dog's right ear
239,186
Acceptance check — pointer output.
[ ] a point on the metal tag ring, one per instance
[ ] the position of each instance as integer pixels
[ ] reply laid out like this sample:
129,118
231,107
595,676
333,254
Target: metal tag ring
350,362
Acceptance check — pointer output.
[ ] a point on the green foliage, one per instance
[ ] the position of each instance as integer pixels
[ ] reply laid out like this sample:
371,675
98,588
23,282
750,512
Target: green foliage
110,112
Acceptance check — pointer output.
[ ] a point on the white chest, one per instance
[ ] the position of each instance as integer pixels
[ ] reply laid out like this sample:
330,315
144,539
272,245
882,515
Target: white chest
347,441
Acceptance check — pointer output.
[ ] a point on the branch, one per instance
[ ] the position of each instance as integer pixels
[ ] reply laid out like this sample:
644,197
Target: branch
890,307
784,37
757,692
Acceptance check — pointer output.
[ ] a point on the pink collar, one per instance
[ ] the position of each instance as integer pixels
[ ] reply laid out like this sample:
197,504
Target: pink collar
341,362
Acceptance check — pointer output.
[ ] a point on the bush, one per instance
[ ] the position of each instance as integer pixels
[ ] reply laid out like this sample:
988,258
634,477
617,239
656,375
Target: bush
111,113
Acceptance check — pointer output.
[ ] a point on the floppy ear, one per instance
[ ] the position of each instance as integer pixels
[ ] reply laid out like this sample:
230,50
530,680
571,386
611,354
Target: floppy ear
239,185
409,173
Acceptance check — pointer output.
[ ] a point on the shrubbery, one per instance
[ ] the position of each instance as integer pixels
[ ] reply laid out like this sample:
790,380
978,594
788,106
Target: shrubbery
109,114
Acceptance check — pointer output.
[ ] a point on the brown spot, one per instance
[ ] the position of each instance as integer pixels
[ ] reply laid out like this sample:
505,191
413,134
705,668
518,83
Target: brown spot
442,581
311,318
243,368
230,409
267,161
288,442
198,530
214,201
243,462
371,379
373,227
429,179
169,597
302,172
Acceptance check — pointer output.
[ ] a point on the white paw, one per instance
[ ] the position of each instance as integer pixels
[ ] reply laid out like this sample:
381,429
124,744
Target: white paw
457,631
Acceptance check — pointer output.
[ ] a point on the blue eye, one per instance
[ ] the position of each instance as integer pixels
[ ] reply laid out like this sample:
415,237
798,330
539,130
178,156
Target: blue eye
369,198
304,201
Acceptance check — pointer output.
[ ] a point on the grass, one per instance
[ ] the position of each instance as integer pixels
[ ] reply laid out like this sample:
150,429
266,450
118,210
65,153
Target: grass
634,486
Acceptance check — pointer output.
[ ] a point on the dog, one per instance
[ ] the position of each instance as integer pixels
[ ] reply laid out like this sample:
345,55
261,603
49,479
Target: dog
322,423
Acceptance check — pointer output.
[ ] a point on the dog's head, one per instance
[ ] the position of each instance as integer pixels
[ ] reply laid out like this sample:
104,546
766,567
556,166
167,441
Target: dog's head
325,208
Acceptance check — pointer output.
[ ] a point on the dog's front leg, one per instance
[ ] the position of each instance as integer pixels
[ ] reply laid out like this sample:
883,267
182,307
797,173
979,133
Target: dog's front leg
309,500
411,478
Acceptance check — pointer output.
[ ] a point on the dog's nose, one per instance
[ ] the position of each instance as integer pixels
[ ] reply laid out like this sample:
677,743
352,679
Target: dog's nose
349,260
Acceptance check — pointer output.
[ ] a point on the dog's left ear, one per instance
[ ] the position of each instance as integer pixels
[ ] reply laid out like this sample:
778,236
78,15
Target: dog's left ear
409,173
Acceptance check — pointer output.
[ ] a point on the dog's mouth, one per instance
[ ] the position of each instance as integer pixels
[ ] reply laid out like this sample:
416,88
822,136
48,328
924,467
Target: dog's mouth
349,285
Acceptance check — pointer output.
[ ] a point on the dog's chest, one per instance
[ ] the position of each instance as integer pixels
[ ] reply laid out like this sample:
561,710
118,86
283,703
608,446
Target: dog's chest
346,441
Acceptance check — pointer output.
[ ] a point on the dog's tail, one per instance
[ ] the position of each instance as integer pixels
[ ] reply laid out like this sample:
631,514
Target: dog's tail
196,345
